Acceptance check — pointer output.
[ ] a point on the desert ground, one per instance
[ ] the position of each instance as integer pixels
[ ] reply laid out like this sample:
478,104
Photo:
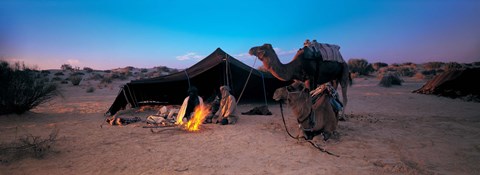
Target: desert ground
388,131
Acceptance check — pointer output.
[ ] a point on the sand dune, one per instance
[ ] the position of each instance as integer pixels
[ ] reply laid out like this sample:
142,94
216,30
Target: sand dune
388,131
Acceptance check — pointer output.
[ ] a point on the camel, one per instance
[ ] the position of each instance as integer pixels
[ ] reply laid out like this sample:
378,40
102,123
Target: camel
317,118
306,70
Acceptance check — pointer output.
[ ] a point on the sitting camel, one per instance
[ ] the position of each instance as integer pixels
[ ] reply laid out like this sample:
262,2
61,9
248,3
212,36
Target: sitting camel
314,72
317,118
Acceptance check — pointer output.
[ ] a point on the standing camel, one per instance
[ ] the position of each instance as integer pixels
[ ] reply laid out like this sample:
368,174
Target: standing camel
313,72
318,117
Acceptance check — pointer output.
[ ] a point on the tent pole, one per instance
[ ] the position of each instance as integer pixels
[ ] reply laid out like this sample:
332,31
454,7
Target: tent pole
226,70
188,78
246,82
264,91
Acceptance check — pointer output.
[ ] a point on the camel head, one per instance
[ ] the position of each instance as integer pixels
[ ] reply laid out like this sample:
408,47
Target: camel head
264,53
291,92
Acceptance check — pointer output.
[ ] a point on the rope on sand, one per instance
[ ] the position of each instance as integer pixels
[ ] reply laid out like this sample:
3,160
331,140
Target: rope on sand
312,143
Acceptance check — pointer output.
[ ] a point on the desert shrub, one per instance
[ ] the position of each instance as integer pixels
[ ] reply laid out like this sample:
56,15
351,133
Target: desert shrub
360,66
124,71
162,69
106,80
406,71
144,70
452,66
420,76
45,72
87,69
66,67
21,89
64,81
107,71
28,146
476,63
354,75
376,66
75,79
95,76
433,65
77,73
56,79
90,89
59,74
390,79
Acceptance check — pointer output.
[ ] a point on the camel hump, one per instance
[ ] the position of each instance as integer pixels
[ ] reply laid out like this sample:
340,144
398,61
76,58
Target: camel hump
323,51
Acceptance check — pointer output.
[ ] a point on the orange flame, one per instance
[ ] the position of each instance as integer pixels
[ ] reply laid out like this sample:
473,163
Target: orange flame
197,119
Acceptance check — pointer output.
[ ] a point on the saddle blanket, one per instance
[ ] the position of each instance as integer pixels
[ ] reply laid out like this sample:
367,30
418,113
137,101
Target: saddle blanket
329,52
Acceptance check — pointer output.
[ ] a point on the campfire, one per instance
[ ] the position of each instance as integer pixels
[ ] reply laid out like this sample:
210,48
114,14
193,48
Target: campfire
197,119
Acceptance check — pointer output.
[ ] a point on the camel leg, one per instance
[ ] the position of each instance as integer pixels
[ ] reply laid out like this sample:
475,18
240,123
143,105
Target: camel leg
344,95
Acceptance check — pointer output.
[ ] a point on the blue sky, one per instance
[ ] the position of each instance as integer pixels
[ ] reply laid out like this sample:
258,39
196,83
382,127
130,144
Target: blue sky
111,34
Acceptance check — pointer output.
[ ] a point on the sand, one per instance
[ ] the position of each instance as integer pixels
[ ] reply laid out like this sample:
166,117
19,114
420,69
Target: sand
388,131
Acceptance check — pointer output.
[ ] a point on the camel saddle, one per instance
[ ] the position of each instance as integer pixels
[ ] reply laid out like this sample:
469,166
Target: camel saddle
323,52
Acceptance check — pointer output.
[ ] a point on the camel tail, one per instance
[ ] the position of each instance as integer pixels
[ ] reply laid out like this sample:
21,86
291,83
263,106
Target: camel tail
350,81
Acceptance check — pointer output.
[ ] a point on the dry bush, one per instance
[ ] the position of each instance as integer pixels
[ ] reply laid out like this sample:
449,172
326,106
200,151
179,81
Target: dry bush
21,89
433,65
420,76
476,64
406,71
144,70
106,80
376,66
45,72
59,74
90,89
452,66
360,66
77,74
65,67
56,79
76,80
354,75
95,76
390,79
28,146
87,69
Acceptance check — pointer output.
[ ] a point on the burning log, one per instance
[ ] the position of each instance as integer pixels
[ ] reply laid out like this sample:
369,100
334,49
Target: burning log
193,125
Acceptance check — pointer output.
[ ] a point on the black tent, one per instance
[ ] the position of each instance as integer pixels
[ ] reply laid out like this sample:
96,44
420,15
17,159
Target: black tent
208,75
453,84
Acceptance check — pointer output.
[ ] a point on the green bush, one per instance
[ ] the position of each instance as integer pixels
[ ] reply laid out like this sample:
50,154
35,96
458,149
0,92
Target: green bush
390,79
90,89
360,66
65,67
21,90
76,80
106,80
452,66
87,69
376,66
433,65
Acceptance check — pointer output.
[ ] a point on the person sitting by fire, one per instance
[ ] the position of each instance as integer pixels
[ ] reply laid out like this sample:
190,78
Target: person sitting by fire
228,104
189,104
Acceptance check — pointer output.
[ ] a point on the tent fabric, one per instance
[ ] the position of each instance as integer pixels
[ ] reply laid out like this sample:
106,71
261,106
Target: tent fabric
453,84
216,70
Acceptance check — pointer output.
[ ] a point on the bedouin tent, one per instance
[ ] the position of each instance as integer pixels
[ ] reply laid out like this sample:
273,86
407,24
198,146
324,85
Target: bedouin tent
453,84
216,70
